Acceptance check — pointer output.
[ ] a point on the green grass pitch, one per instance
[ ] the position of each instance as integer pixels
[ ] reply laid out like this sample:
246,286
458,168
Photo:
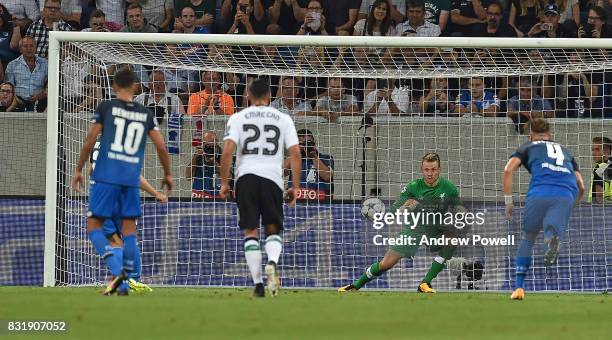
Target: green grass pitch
202,313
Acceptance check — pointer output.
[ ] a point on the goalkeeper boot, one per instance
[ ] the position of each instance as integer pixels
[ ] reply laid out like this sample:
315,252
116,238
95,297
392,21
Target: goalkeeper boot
259,291
425,287
550,257
347,288
273,278
139,287
518,294
115,283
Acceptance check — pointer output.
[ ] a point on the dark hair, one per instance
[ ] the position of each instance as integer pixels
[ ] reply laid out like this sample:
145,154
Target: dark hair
415,3
125,79
384,26
6,17
496,3
304,133
194,10
605,142
133,6
539,125
259,88
601,12
97,14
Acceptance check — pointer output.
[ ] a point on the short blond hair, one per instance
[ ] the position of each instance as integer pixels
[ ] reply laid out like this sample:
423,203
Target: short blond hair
431,157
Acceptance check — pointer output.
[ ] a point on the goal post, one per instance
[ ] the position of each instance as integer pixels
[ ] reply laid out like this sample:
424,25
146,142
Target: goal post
194,241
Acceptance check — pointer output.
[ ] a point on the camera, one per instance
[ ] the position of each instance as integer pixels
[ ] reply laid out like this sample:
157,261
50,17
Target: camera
307,147
588,30
243,8
546,26
158,111
211,151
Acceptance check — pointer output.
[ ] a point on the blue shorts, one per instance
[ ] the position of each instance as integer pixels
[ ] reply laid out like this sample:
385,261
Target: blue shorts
112,226
551,213
113,201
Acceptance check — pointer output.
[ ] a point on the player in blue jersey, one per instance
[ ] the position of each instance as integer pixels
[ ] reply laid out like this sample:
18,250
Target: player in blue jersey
115,191
112,229
556,186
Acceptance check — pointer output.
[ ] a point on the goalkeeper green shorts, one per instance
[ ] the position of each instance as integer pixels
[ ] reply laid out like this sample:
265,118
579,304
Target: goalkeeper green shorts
408,250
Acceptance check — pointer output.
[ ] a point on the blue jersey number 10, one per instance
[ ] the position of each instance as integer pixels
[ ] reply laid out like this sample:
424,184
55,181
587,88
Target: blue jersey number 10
127,140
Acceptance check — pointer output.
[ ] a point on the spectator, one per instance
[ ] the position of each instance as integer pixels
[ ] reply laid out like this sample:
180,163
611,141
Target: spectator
314,20
527,105
28,73
494,27
159,100
378,22
465,17
569,12
341,16
337,102
437,12
601,190
596,26
9,102
416,25
136,22
524,15
97,22
476,101
159,13
245,16
51,16
549,26
114,11
397,9
204,14
316,178
439,99
22,12
575,97
10,35
387,99
189,24
285,16
211,100
288,102
71,12
203,169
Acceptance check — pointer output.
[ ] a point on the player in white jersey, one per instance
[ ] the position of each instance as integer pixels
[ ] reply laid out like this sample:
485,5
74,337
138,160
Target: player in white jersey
261,135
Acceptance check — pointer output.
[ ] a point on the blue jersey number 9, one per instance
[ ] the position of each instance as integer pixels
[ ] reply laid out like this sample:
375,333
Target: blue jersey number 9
130,142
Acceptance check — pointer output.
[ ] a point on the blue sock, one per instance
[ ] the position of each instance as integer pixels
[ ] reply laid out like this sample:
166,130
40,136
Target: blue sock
135,274
130,247
523,261
104,249
118,253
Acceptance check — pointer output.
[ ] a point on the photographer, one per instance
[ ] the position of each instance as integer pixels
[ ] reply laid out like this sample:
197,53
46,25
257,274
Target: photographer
550,27
601,187
596,26
317,170
203,169
246,18
314,21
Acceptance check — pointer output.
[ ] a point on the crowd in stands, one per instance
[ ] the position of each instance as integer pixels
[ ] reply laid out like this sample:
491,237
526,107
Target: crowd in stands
25,26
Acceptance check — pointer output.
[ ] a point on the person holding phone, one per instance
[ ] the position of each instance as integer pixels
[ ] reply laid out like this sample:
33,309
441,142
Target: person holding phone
596,26
388,99
549,26
248,16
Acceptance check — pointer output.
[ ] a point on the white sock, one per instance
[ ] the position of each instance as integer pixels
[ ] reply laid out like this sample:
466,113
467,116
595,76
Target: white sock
252,252
274,247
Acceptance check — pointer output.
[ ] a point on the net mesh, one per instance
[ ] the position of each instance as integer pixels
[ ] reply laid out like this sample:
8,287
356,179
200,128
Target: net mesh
420,101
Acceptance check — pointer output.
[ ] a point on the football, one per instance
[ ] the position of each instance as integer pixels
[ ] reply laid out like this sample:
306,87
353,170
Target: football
372,206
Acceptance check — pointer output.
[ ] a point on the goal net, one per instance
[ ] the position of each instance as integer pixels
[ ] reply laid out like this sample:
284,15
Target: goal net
374,107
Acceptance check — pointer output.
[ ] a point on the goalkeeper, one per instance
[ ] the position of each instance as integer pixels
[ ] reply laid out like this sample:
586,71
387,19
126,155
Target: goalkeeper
429,194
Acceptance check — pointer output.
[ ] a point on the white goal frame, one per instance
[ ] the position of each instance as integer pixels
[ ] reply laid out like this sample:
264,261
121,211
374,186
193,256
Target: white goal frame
56,37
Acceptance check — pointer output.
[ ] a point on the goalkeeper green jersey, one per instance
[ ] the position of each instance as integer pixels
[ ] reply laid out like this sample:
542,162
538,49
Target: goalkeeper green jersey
439,198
